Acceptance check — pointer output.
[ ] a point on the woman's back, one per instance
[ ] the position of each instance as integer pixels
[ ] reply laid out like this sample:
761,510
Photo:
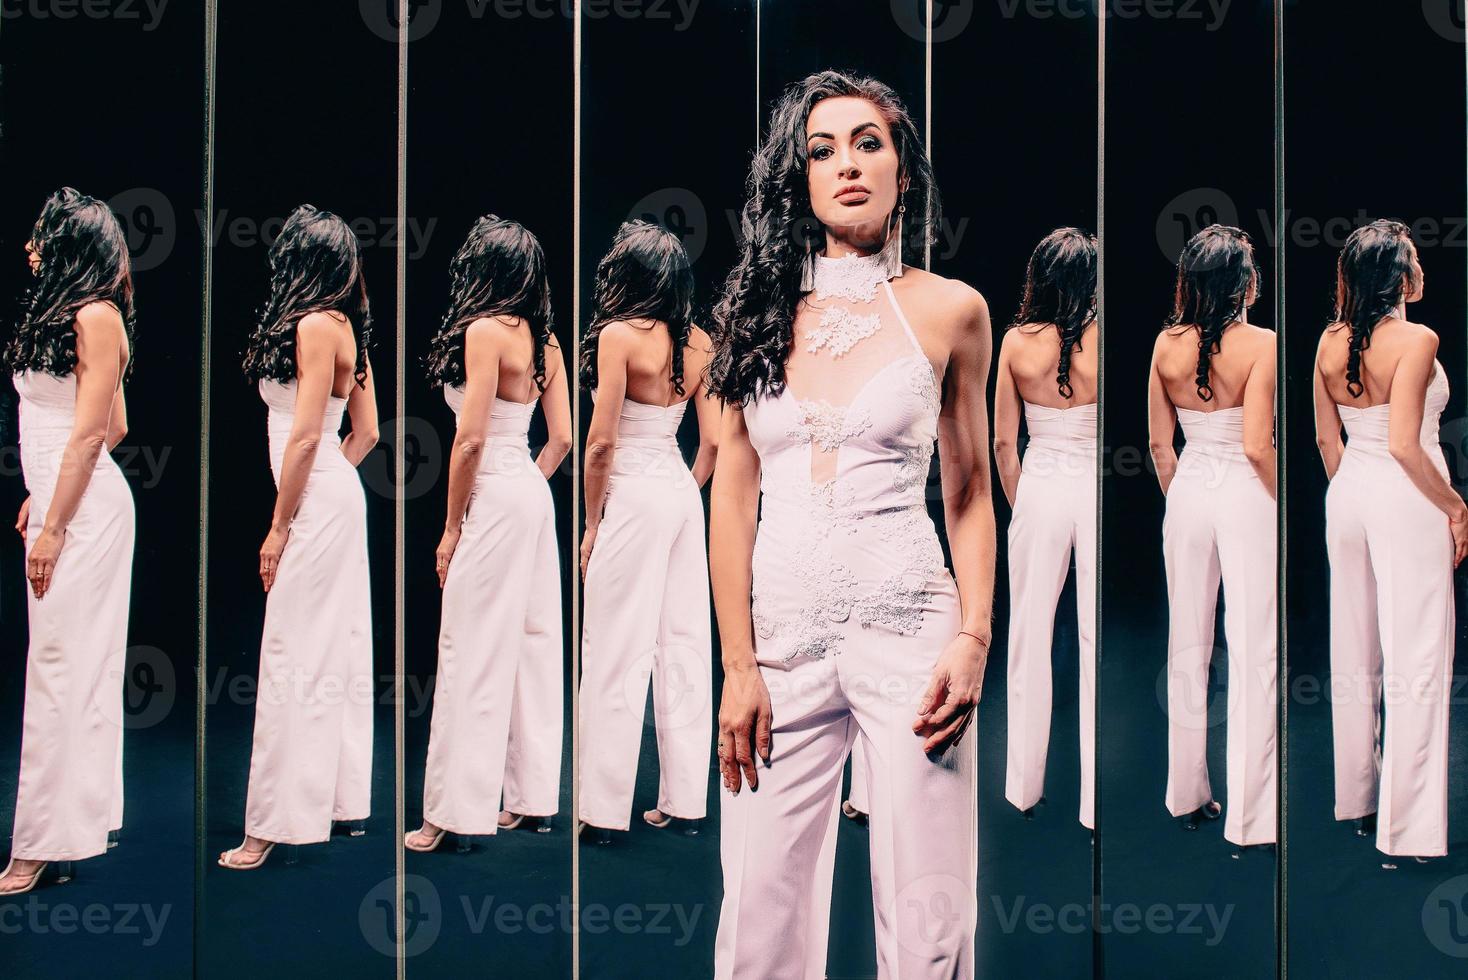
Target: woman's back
1241,347
1034,362
1390,341
649,365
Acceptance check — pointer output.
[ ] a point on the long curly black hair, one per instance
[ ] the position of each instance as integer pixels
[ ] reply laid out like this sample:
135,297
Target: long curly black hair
1214,272
1060,288
315,267
646,274
498,271
753,320
1373,274
83,259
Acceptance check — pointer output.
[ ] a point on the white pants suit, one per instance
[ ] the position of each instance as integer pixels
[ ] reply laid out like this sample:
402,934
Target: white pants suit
1221,525
1054,513
311,757
646,617
70,787
497,699
1391,625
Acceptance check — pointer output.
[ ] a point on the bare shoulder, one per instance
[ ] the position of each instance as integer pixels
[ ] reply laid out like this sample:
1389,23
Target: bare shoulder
699,340
321,326
1422,338
100,321
490,332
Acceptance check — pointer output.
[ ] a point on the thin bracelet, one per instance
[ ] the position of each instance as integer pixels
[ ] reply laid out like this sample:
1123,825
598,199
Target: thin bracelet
977,637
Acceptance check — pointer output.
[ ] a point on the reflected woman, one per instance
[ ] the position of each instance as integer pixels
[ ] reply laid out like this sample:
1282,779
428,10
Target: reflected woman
68,358
312,756
840,622
1213,372
1395,529
497,704
1047,373
643,555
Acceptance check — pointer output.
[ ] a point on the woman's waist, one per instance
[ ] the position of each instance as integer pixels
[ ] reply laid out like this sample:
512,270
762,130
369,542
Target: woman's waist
1376,456
1064,456
653,458
48,458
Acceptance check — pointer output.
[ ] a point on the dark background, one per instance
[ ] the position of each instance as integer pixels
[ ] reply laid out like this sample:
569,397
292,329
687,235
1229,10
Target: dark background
1347,916
1012,167
668,120
62,125
485,135
306,112
1189,138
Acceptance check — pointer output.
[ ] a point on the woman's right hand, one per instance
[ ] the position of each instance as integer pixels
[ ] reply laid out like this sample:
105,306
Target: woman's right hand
23,518
744,727
1459,527
447,545
270,553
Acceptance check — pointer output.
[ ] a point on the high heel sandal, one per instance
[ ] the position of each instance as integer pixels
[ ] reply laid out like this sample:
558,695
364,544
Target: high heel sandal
850,812
1366,826
63,873
257,858
432,844
659,824
599,835
1211,810
1029,812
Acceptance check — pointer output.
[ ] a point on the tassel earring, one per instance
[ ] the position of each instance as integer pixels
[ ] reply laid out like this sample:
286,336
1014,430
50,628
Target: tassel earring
807,269
892,248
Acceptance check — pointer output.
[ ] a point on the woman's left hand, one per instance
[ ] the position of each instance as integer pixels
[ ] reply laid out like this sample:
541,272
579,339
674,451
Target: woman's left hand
947,707
270,553
41,561
588,541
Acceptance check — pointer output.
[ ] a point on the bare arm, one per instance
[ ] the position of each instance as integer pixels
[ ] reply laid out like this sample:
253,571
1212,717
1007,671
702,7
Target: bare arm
316,342
744,714
117,423
555,402
1008,407
483,343
601,435
968,502
362,411
1409,393
101,344
1327,421
1161,424
709,420
1259,418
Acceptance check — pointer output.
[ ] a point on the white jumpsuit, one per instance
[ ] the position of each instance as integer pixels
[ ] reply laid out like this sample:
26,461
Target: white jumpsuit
646,617
70,788
851,606
1221,523
311,761
1054,512
497,699
1391,627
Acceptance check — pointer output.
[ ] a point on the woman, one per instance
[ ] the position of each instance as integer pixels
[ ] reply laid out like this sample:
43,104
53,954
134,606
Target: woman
839,366
1395,529
1213,372
643,554
69,357
312,757
1047,373
497,716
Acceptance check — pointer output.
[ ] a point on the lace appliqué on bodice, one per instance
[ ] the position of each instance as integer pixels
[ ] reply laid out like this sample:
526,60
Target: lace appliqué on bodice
827,425
806,616
840,330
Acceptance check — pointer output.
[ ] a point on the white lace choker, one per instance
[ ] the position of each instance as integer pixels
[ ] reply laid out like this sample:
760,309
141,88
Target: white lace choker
854,277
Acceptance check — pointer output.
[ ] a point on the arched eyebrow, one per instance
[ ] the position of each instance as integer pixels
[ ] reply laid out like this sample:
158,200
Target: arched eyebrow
854,131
